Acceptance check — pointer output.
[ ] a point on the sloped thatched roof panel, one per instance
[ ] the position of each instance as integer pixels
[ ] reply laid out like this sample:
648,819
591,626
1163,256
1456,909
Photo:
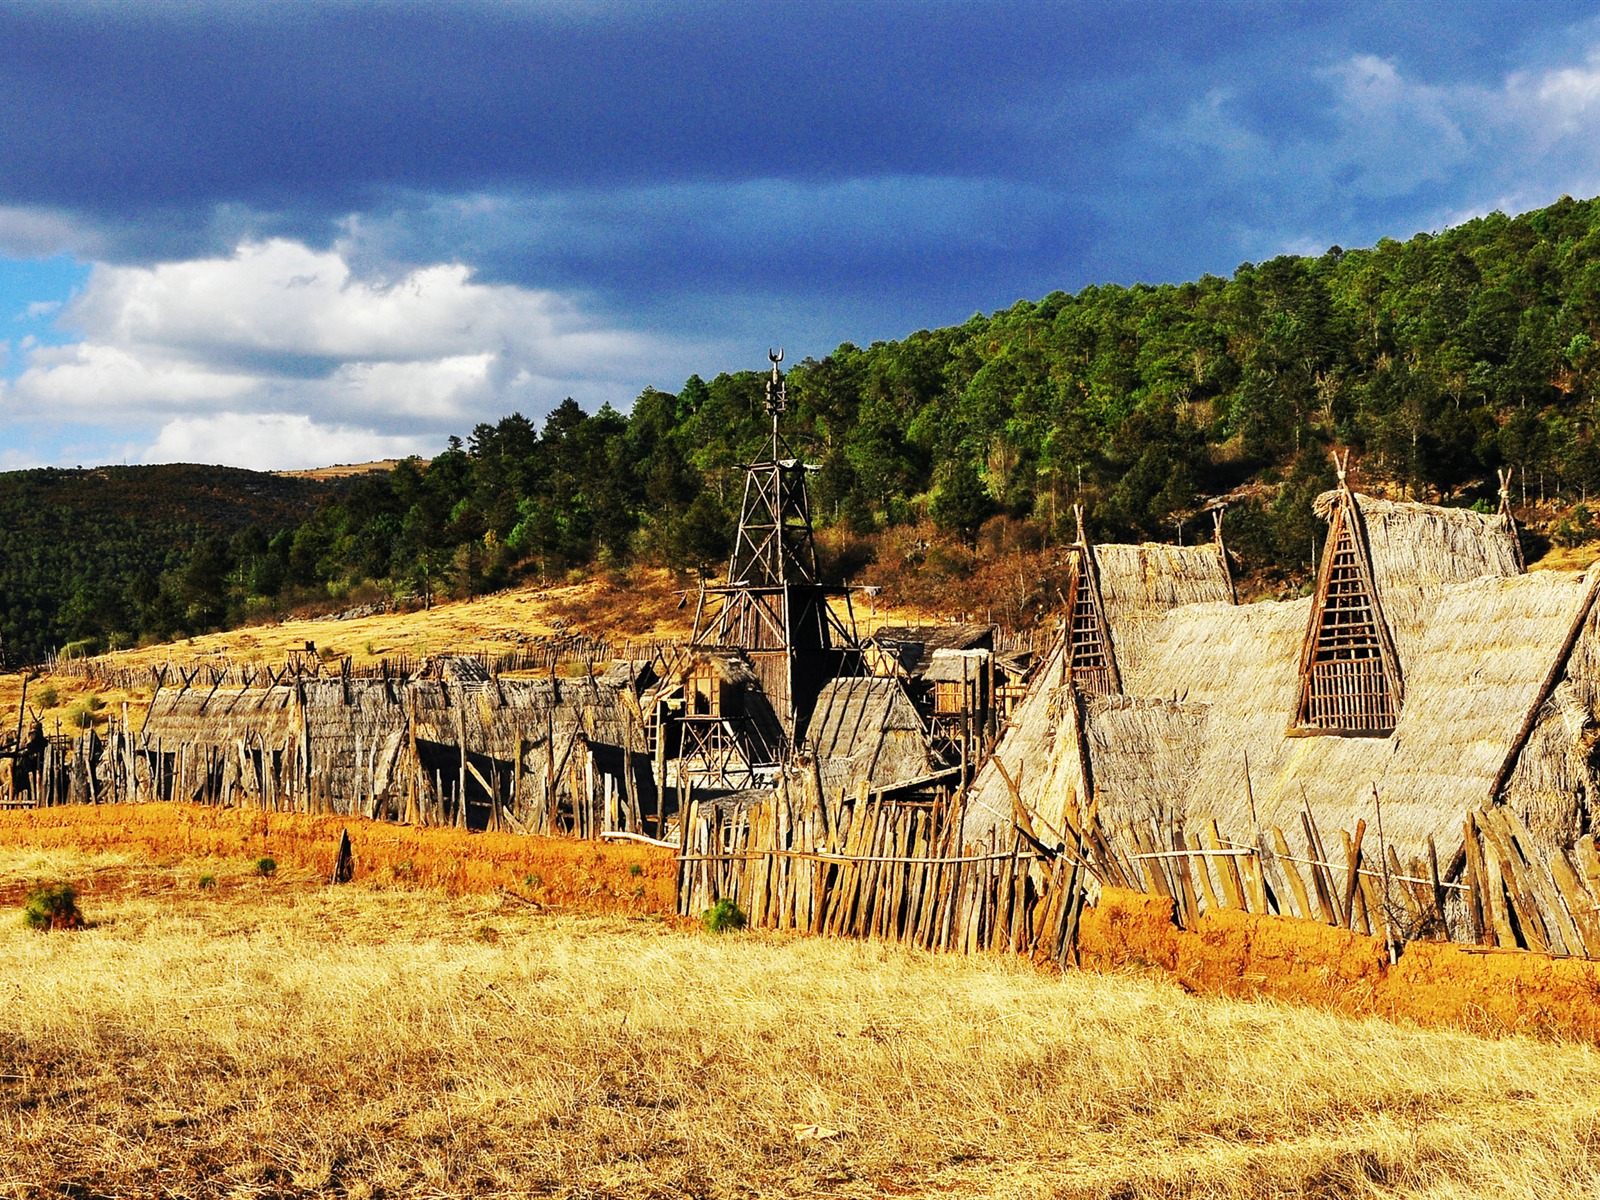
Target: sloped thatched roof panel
1473,675
865,730
1144,754
1138,584
1425,545
1037,749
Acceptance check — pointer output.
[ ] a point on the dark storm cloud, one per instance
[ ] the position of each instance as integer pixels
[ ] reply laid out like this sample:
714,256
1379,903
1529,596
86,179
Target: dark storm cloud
172,130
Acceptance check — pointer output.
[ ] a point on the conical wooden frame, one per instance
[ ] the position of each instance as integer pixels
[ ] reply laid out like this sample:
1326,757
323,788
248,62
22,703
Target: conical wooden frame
1091,662
1349,674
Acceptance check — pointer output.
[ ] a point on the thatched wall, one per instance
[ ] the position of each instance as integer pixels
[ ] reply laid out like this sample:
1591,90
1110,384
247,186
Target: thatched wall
259,716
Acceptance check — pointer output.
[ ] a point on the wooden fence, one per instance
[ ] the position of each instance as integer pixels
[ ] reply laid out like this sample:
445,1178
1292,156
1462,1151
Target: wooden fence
895,871
880,869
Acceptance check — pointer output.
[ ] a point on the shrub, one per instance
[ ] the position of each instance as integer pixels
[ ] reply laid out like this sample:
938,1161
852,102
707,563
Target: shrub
207,882
487,934
635,869
47,696
265,867
723,917
52,906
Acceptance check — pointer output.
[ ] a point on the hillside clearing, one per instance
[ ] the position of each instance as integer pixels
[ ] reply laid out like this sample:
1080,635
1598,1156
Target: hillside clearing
280,1037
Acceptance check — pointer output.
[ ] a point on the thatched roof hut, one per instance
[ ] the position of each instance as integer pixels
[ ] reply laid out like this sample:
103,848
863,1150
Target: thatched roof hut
909,650
1497,683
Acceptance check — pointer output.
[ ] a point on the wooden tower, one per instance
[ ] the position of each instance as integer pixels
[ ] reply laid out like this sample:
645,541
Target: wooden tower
1349,673
797,633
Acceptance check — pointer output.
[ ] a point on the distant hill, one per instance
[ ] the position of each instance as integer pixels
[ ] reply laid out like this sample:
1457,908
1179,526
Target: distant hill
102,550
345,470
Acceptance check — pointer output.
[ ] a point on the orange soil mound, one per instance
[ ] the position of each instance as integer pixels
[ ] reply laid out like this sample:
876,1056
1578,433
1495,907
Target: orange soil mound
623,878
1235,953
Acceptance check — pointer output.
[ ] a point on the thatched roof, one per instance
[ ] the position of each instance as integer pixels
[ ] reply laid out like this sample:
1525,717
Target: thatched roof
1140,583
865,730
956,666
1474,671
1146,580
1028,751
913,646
1209,687
1424,545
1416,549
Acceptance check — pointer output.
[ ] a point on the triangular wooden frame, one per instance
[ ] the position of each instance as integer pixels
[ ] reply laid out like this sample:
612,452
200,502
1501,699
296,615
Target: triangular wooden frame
1509,517
1091,661
1350,681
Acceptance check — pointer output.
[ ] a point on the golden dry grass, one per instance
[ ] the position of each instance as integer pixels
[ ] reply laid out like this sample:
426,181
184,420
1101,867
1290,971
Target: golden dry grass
1567,558
346,470
286,1038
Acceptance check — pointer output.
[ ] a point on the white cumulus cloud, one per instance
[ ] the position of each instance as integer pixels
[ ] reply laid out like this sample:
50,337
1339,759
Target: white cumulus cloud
1377,150
287,441
283,352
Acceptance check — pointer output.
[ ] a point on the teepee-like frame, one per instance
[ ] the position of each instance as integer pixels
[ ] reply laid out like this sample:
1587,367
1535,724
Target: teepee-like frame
1350,680
1091,661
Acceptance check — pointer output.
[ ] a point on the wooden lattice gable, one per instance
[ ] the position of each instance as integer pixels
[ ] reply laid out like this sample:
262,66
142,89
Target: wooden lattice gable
1091,661
1349,674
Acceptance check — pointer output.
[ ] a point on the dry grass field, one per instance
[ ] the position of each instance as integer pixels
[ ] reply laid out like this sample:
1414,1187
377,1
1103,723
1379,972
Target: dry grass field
280,1037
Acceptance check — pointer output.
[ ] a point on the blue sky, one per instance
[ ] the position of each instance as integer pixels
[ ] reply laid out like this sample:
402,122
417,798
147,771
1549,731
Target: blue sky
283,235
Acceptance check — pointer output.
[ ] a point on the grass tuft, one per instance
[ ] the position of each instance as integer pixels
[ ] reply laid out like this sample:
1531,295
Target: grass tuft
51,906
723,917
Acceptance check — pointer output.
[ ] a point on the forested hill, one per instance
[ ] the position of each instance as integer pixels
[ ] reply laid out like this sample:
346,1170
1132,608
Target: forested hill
1437,359
87,553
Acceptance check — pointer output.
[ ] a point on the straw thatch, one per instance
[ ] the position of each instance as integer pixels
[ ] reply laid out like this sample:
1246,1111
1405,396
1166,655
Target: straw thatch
353,740
354,730
1425,545
1028,751
866,732
1418,548
267,716
956,666
1230,680
1140,583
1211,687
521,735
